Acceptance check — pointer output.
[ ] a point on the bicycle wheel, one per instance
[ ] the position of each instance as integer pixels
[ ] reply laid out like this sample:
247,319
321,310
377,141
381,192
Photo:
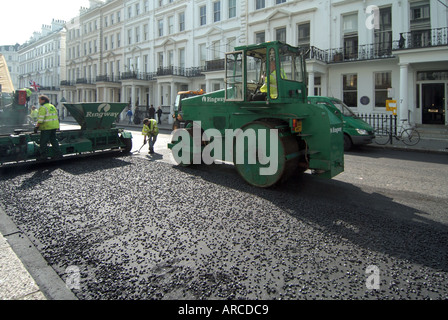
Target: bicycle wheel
410,137
382,136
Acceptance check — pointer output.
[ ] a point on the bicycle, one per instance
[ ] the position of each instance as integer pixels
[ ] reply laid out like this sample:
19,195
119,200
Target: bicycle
409,136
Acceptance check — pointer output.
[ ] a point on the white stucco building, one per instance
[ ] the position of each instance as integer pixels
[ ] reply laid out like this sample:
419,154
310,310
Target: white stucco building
12,60
364,52
42,61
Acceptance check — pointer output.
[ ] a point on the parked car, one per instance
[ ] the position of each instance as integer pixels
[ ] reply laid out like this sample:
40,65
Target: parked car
356,130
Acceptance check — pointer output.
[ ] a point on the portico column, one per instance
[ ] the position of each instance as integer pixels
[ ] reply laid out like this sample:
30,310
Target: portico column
173,98
311,84
159,95
133,98
403,103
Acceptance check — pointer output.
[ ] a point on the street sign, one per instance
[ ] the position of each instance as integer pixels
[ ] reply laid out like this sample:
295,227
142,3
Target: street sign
391,105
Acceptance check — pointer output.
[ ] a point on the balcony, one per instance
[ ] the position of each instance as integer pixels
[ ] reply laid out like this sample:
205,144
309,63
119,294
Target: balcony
417,39
67,83
146,76
349,54
215,65
178,71
49,88
84,81
106,78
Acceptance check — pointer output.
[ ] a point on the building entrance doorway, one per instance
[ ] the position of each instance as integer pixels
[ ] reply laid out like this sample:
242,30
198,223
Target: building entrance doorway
433,103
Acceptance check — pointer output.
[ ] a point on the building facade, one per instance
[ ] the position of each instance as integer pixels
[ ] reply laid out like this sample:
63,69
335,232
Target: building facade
42,61
365,52
12,60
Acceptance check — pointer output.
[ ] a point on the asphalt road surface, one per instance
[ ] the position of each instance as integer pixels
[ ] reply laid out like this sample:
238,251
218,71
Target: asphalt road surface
140,227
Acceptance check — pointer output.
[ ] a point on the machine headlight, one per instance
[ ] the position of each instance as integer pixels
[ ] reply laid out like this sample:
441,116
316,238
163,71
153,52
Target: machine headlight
362,132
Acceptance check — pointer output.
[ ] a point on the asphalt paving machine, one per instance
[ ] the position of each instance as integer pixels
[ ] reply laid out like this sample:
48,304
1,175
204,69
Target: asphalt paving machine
97,134
261,121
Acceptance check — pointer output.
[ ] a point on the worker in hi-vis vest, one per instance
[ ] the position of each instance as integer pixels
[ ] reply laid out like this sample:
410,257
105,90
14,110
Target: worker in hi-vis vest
150,130
272,79
34,114
47,123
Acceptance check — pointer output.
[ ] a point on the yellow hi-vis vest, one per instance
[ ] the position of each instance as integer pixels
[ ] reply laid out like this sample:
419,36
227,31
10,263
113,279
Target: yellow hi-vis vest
48,117
34,114
152,129
273,84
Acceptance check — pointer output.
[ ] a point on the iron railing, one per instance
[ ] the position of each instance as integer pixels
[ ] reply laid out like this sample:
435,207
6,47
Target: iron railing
179,71
107,78
422,39
382,123
362,52
137,75
215,65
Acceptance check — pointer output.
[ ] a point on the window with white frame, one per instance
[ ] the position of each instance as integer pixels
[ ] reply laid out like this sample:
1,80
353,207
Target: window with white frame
170,58
137,34
420,23
216,49
147,6
202,55
260,4
160,27
383,81
160,59
129,36
232,9
231,44
260,37
303,40
202,15
280,34
146,63
170,24
350,89
383,35
145,32
280,1
182,57
181,21
216,11
350,30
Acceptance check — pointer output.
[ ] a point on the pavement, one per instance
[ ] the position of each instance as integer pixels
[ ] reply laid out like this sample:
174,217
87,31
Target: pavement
31,278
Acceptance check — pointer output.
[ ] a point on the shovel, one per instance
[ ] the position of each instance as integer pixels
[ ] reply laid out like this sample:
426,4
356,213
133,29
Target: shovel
138,151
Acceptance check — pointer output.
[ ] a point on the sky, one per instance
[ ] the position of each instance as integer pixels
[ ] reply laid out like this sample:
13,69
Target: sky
20,18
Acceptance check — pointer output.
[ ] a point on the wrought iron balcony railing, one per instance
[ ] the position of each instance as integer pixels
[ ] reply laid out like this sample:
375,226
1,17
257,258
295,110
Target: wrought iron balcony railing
179,71
107,78
85,81
362,52
67,83
146,76
422,39
214,65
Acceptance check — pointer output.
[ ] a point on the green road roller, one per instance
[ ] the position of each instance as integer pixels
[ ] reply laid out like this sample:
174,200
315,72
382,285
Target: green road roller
261,122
